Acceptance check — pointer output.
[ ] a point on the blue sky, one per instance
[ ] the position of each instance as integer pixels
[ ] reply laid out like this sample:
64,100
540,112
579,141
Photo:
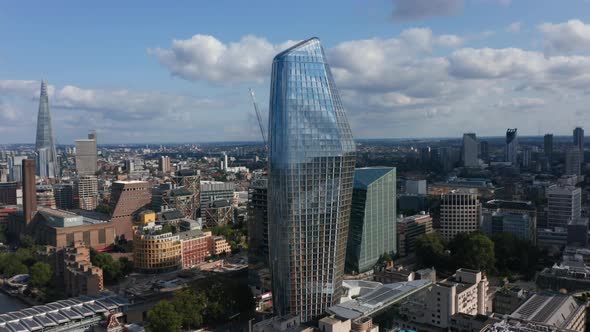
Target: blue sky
178,71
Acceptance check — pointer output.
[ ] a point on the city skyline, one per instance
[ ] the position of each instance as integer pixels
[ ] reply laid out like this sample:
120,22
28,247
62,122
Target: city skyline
187,81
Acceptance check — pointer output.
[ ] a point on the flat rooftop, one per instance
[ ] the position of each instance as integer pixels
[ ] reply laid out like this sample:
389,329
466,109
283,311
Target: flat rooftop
57,212
378,299
45,317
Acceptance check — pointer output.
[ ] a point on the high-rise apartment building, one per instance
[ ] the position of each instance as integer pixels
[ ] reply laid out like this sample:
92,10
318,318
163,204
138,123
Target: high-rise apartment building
548,146
460,212
29,189
128,198
86,155
129,165
86,192
469,150
372,228
311,166
564,204
573,161
45,197
258,220
511,147
164,164
47,165
15,164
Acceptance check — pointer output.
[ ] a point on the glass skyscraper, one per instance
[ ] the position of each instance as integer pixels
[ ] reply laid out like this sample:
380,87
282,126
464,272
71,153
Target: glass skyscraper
311,166
46,165
511,147
373,220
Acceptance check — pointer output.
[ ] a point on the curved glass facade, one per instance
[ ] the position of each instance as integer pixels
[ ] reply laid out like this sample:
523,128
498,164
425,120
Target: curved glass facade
311,168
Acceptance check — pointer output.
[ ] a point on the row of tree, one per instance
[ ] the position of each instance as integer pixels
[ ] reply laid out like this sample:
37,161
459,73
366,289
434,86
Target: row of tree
503,254
208,301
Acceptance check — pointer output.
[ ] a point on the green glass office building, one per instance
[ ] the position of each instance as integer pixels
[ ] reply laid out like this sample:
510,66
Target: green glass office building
372,228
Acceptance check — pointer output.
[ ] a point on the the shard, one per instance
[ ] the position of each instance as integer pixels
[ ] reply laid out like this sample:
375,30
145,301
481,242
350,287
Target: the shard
44,145
311,169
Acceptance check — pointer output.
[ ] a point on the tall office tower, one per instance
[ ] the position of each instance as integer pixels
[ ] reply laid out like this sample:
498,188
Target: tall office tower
511,148
86,155
29,189
225,164
484,150
164,165
573,161
579,138
564,204
548,146
311,166
15,167
460,212
47,165
86,192
64,195
372,229
469,150
128,199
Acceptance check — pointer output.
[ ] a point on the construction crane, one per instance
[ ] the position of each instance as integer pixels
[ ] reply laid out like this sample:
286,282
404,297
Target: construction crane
259,118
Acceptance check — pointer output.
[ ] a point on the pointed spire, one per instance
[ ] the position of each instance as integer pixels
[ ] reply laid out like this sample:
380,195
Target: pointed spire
44,144
43,88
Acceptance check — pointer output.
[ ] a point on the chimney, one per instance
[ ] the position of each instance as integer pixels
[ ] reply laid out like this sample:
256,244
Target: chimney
29,189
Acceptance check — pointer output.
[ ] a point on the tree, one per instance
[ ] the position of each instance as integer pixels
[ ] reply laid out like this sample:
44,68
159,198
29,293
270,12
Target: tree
103,208
13,266
41,274
515,255
164,318
27,241
430,250
190,304
126,266
111,269
473,251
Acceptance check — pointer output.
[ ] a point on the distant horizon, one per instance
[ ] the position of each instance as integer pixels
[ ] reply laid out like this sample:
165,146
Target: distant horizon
261,142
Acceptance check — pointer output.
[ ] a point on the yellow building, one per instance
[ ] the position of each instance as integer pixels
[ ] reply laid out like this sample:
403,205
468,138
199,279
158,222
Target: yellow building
147,217
155,252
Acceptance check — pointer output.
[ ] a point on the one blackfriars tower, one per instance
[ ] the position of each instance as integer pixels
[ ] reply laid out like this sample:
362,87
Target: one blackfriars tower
311,169
44,145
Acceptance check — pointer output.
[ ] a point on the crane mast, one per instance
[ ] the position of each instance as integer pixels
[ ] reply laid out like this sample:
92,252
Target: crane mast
259,117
